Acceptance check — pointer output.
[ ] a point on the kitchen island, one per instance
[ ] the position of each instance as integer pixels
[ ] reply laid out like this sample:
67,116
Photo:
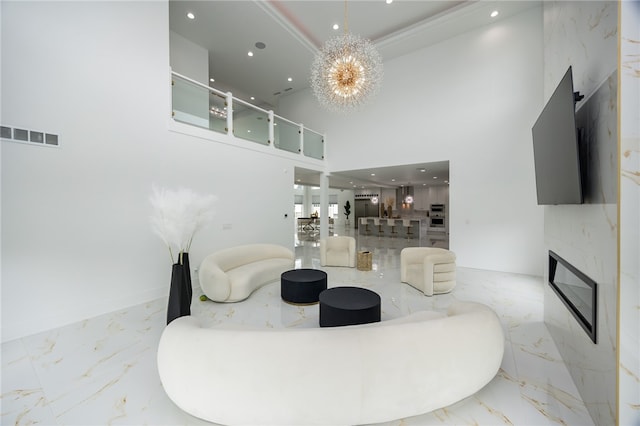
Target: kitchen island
396,227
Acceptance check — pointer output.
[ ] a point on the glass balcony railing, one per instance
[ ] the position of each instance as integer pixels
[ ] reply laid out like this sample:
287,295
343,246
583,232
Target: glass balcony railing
250,122
202,106
286,135
314,144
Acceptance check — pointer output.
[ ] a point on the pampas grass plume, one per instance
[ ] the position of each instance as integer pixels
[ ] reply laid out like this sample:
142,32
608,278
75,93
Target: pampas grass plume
178,215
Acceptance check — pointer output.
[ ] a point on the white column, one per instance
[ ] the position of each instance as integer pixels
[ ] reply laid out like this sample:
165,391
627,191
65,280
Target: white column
324,205
306,202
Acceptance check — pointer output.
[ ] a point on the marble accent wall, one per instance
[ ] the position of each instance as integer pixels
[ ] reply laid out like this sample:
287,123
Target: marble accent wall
629,366
584,35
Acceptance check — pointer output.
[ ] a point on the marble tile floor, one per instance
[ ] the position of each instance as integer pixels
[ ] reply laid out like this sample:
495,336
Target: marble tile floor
102,371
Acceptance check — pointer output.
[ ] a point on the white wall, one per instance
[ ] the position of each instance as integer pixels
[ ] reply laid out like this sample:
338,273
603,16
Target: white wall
188,58
584,35
76,240
471,100
629,243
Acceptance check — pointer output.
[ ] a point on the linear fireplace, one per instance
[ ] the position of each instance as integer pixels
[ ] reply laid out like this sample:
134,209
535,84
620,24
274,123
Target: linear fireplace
578,292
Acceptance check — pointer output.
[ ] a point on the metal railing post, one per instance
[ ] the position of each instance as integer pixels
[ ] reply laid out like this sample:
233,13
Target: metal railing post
229,102
301,131
272,132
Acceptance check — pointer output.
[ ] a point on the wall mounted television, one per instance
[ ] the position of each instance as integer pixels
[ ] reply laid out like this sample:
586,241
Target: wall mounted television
556,148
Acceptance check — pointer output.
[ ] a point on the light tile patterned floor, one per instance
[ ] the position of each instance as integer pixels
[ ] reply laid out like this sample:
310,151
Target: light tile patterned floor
102,371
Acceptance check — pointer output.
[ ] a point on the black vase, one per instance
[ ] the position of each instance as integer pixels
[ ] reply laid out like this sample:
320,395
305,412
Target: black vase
185,301
176,293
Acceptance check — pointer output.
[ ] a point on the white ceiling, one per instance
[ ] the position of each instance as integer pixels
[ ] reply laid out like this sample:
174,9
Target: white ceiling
435,173
294,31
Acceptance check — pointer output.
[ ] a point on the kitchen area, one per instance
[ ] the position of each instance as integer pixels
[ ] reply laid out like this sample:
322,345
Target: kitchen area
405,212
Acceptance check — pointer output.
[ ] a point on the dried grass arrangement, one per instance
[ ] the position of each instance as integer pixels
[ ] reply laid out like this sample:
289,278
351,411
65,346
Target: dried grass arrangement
178,215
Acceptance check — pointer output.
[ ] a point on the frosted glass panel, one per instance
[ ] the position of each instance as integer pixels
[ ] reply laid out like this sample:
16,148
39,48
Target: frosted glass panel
190,103
250,124
217,113
313,144
287,135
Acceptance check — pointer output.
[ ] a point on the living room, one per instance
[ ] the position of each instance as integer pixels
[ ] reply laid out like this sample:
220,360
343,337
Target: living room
76,240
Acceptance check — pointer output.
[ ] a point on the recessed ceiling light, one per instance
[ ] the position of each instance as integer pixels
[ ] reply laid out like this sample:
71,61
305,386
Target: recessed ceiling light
389,1
422,170
336,26
289,79
250,53
212,80
253,98
249,131
393,180
435,177
373,174
494,13
190,15
424,184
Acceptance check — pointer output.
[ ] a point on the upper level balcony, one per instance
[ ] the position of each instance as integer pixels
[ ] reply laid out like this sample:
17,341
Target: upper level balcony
205,107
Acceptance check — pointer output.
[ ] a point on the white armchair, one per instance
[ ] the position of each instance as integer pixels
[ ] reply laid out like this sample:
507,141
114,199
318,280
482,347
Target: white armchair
338,251
431,270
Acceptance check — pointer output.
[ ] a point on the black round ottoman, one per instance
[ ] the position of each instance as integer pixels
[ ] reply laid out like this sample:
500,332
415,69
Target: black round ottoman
302,286
348,306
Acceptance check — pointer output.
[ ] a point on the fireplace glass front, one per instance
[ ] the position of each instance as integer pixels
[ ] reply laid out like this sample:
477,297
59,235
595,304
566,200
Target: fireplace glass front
577,291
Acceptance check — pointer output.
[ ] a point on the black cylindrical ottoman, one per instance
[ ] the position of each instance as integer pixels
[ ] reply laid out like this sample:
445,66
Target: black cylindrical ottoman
302,286
348,306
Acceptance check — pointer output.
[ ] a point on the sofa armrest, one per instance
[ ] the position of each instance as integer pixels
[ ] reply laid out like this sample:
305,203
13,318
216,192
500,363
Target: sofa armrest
408,257
214,281
352,252
428,266
323,252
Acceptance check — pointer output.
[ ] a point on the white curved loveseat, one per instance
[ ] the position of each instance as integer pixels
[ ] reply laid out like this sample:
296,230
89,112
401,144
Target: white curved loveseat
330,376
232,274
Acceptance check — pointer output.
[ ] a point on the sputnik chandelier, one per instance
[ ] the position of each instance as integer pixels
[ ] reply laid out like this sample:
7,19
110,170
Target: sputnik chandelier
346,72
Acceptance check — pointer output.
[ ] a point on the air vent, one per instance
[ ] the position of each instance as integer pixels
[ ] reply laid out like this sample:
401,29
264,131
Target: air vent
34,137
277,93
288,88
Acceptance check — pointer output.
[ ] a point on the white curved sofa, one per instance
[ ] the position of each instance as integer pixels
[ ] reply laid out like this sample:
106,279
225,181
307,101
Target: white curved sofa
232,274
330,376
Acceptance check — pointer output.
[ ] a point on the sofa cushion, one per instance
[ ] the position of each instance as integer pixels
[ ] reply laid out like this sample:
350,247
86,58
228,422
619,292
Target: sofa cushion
444,267
247,278
234,257
444,276
338,257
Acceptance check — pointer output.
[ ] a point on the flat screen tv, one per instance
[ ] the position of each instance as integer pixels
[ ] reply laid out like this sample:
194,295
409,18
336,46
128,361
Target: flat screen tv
556,150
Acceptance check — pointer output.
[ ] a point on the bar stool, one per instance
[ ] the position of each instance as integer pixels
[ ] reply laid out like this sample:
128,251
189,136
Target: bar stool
407,224
365,222
376,222
392,224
